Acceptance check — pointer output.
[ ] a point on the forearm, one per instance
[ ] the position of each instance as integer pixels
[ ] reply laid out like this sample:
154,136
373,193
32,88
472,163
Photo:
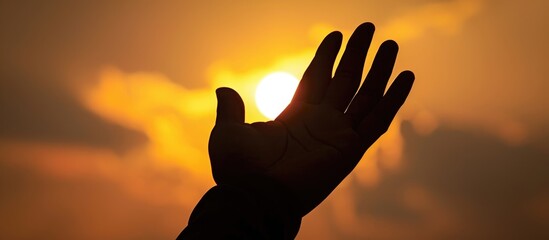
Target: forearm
229,212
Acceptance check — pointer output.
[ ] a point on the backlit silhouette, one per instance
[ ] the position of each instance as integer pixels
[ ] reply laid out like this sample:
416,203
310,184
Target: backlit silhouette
270,174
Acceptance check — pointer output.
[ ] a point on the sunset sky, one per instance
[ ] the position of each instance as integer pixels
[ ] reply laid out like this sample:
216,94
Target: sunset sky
106,109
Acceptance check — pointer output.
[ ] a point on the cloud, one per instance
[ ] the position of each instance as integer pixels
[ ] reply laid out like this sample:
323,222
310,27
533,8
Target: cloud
446,17
44,204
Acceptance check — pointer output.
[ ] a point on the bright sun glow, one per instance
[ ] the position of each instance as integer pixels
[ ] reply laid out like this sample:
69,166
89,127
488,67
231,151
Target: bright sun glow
274,93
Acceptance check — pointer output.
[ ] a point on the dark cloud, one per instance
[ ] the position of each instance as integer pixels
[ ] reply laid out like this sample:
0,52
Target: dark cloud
35,108
486,182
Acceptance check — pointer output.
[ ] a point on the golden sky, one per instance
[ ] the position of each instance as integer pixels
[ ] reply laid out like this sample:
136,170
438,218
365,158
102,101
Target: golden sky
106,109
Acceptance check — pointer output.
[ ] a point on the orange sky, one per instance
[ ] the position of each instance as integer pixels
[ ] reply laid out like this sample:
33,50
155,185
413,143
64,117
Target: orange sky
106,110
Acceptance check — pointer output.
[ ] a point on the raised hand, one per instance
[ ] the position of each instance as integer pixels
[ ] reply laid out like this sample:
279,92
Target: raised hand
321,136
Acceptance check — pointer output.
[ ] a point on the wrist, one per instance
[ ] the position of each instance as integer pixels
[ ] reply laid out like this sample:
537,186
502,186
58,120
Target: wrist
276,203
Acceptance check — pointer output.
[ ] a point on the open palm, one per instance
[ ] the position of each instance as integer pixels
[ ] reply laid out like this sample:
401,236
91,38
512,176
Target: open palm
320,137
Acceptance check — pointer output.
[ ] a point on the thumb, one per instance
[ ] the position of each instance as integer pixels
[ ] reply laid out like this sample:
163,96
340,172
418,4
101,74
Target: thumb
230,107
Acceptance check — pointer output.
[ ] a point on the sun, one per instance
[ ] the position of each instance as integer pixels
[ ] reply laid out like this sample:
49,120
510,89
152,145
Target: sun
274,93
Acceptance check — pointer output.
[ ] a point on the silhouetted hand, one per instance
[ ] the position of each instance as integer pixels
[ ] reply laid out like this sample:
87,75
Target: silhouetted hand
321,136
